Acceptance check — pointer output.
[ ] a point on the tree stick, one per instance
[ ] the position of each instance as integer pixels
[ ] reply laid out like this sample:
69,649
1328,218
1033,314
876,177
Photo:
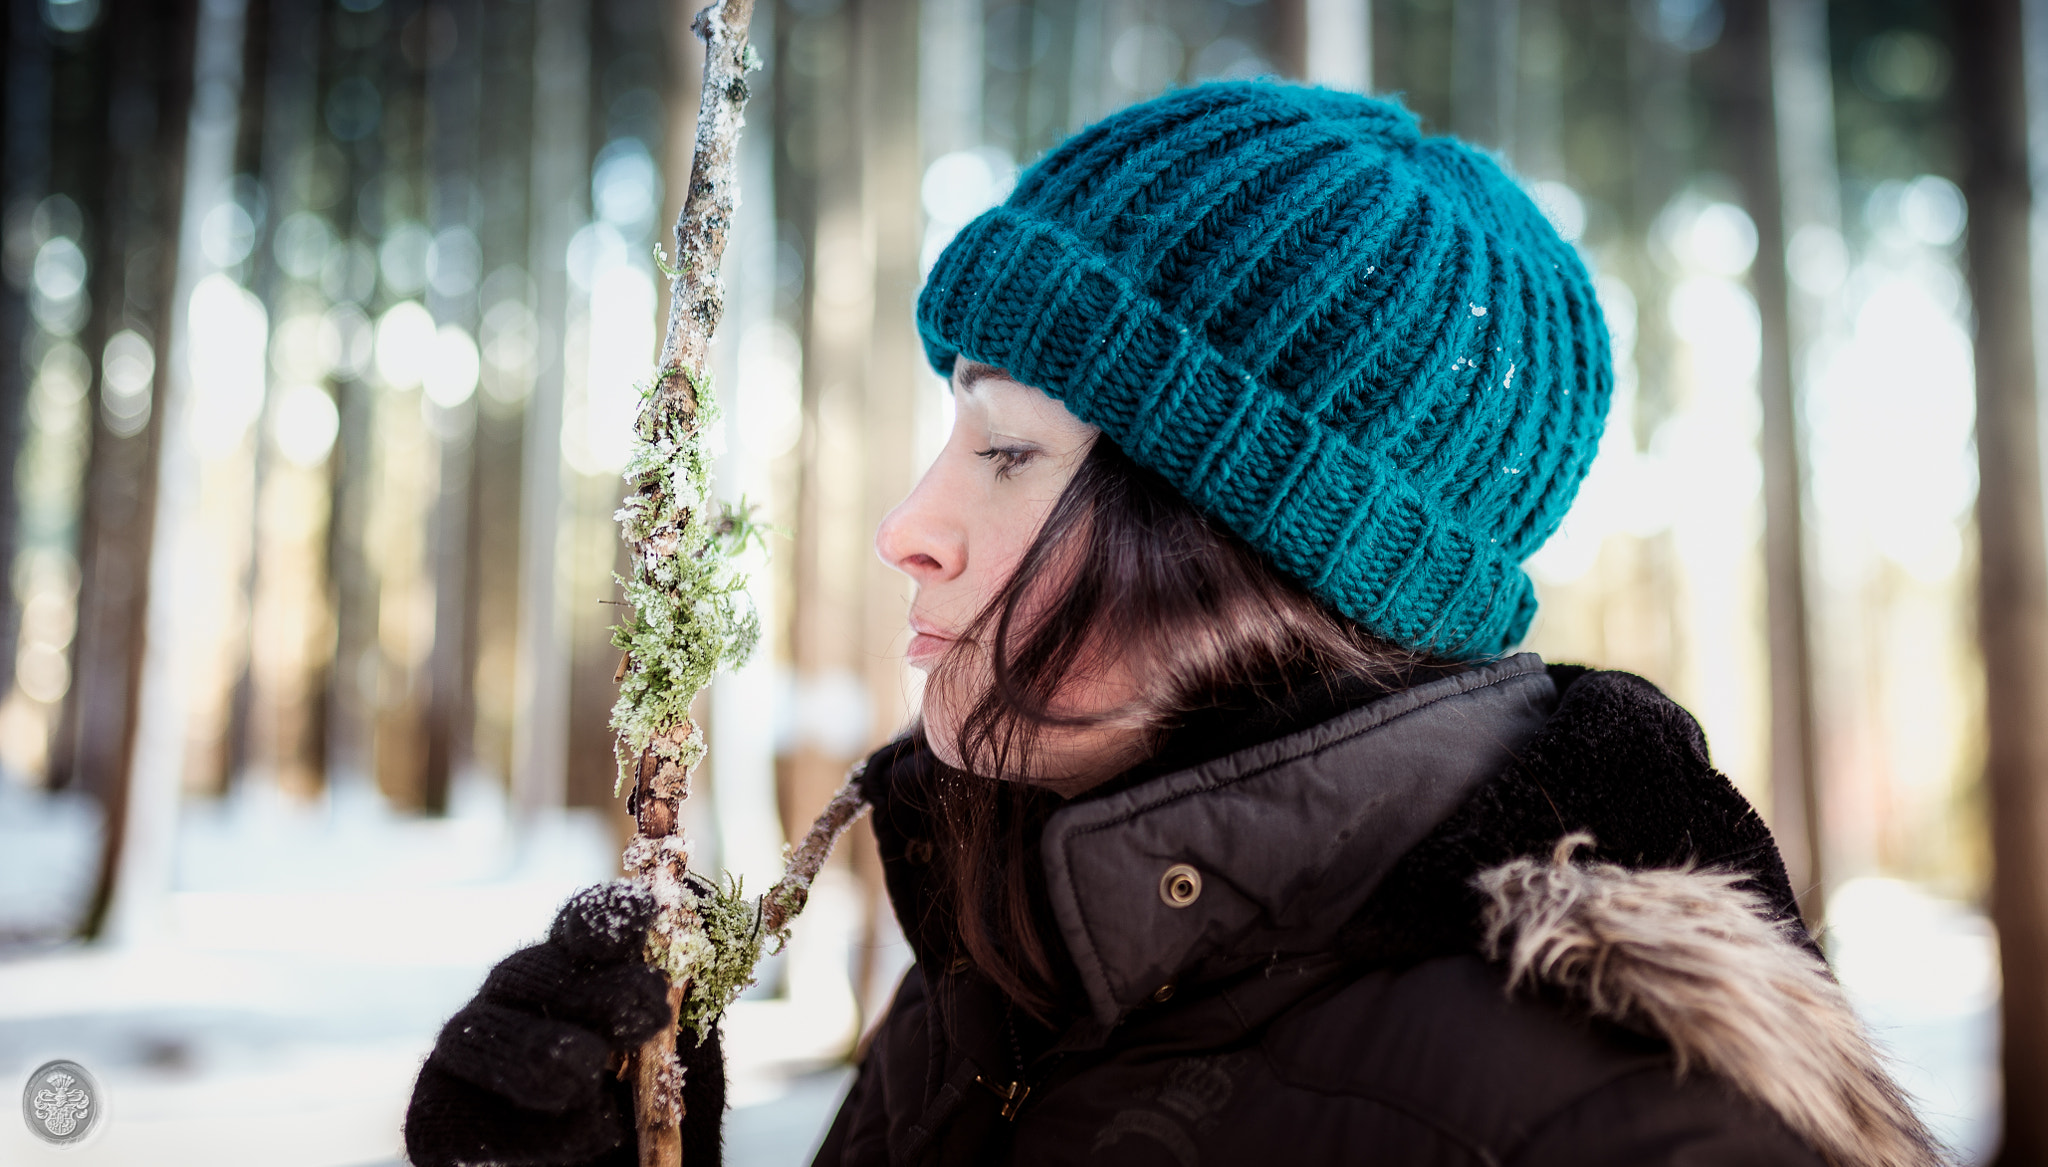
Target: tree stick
688,619
793,890
685,620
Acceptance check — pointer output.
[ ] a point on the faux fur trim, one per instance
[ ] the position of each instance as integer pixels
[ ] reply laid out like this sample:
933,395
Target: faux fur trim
1686,954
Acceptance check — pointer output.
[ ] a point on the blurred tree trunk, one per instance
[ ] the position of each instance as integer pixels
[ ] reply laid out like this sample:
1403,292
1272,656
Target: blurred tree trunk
454,91
1485,71
558,198
890,175
2013,572
405,463
278,739
1748,98
1324,42
1287,37
1539,124
348,717
140,881
254,139
55,525
137,227
827,626
1649,634
510,344
348,713
24,179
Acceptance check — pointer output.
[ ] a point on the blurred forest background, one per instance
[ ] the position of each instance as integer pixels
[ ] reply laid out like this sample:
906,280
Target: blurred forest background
320,332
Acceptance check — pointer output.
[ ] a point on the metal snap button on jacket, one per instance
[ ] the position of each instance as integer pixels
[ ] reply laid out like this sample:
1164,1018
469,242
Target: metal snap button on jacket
1180,886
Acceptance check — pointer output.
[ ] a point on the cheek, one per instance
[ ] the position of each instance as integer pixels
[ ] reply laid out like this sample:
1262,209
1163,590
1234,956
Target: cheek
998,532
997,562
1004,531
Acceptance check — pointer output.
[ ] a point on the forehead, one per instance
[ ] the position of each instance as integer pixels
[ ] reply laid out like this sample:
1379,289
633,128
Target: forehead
1006,401
986,387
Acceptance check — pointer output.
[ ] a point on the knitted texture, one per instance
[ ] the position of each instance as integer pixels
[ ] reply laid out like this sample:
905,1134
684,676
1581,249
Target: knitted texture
1361,349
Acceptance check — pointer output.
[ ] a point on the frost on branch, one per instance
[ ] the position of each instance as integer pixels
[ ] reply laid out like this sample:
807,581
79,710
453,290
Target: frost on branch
688,616
688,611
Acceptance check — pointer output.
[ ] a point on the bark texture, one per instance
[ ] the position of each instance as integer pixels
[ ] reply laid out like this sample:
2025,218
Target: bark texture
659,856
2013,573
793,890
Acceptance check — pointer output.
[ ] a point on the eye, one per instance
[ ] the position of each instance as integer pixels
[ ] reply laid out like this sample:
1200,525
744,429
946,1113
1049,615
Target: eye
1008,459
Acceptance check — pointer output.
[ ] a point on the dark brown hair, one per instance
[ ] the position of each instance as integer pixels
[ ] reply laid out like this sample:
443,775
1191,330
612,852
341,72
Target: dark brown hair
1124,577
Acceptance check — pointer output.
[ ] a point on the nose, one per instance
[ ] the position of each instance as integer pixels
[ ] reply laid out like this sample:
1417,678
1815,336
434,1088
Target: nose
921,539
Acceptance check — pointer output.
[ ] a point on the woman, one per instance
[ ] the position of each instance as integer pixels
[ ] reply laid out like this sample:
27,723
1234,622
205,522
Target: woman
1230,832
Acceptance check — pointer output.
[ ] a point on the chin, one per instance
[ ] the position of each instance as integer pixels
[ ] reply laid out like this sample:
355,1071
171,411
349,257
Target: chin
943,740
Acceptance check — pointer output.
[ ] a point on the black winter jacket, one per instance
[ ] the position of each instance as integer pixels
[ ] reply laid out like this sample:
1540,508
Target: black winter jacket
1302,951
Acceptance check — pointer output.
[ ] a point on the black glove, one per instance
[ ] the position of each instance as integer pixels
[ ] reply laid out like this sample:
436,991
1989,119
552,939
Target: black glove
525,1075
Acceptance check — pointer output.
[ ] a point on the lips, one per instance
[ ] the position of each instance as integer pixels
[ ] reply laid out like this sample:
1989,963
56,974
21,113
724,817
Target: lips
927,643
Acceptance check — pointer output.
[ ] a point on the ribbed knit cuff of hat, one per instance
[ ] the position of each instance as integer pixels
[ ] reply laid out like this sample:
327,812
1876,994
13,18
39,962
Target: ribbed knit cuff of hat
1027,297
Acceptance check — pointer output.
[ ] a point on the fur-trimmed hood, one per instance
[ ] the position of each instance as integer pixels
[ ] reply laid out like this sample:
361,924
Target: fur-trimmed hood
1690,956
1419,830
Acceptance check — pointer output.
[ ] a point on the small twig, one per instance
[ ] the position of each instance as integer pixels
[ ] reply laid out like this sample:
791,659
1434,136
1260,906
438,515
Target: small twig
793,890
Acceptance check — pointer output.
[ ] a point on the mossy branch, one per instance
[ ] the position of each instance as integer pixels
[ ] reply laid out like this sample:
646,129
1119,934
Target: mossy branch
688,615
717,961
687,603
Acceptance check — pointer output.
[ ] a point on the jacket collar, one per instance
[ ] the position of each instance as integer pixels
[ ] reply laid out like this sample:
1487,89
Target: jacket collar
1285,841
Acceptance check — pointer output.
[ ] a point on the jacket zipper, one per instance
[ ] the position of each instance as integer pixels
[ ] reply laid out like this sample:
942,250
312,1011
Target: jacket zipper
1015,1092
1012,1095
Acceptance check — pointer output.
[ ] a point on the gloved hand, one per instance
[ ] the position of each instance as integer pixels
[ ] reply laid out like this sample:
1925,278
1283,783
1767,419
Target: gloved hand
526,1074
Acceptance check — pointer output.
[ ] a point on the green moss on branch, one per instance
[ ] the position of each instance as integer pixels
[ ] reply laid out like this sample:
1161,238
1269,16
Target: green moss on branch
688,610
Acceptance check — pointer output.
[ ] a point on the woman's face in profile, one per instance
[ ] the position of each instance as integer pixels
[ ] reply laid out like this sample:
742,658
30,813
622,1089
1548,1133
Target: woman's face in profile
964,528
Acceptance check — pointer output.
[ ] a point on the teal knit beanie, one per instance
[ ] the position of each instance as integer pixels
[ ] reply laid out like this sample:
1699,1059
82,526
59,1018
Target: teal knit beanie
1362,350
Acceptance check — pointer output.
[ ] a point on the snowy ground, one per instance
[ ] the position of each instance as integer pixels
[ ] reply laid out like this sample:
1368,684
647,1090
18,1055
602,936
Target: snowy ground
309,957
308,960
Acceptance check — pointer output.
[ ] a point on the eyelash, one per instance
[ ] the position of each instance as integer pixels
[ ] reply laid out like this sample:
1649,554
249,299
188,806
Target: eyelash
1008,459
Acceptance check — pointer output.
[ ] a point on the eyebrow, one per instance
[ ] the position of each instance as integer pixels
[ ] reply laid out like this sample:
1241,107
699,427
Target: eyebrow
971,373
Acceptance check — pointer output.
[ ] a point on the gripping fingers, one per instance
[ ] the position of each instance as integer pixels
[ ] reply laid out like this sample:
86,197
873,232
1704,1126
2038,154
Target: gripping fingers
536,1062
627,1002
604,923
453,1123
